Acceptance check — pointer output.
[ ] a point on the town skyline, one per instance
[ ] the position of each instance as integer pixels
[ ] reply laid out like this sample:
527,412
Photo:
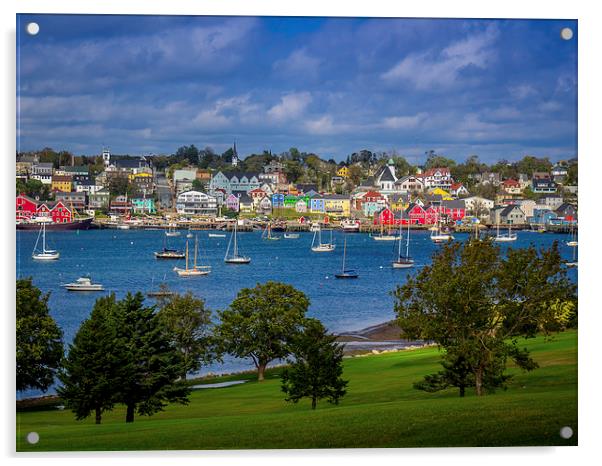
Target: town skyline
333,86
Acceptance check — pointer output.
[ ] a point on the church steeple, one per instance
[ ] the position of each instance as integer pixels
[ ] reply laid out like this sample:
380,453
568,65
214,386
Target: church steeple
234,156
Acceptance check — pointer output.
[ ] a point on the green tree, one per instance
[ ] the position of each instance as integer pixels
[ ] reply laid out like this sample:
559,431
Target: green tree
293,170
474,302
90,369
38,339
198,185
317,367
189,326
260,321
150,364
434,160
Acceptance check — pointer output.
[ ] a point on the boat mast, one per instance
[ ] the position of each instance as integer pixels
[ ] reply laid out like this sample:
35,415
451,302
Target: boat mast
196,241
344,253
235,253
186,254
43,238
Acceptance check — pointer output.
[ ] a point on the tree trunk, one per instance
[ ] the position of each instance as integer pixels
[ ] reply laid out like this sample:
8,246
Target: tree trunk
313,402
462,391
129,415
478,376
98,415
261,371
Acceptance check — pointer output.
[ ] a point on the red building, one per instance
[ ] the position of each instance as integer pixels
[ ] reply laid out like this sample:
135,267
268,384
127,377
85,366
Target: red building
384,217
27,208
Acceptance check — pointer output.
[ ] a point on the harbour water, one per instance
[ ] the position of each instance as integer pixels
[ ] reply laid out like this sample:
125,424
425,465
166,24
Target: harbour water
123,260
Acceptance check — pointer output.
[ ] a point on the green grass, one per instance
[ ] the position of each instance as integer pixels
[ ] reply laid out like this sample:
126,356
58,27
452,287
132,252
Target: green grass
381,409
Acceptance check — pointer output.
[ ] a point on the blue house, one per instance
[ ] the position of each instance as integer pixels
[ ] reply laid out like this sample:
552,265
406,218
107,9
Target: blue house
317,204
277,200
543,217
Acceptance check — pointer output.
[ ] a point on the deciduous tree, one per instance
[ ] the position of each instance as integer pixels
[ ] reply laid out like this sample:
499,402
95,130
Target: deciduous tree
475,303
39,338
260,321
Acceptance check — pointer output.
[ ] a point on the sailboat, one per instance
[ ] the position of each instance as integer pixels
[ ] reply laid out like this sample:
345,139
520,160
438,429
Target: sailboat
383,237
438,236
189,235
404,262
346,273
573,263
44,254
573,237
196,270
171,231
235,258
267,233
320,246
504,238
162,292
168,253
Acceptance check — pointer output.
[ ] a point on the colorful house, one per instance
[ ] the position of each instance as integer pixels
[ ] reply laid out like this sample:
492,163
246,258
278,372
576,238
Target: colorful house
144,206
232,202
384,217
458,189
343,172
454,210
301,206
63,183
265,206
27,208
277,200
246,203
337,204
317,204
290,201
445,196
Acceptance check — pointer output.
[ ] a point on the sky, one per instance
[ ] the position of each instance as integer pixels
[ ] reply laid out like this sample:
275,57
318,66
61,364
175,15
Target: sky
500,89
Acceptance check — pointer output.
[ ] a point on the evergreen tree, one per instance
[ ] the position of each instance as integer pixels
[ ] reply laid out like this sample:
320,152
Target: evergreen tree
317,367
150,364
90,369
38,339
260,321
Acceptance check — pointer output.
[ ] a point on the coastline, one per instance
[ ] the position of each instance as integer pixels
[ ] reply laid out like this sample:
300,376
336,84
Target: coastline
376,339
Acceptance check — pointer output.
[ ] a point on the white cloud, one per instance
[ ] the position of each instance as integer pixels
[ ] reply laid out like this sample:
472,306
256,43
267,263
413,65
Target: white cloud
522,91
298,64
290,106
325,125
405,122
428,69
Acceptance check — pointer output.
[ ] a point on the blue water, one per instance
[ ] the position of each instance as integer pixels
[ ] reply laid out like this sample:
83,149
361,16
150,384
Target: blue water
123,260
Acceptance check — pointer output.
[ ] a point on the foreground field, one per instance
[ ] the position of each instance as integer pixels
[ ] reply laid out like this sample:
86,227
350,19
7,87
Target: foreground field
381,410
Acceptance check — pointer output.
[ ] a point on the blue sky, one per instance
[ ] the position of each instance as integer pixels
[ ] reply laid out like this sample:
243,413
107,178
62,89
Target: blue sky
148,84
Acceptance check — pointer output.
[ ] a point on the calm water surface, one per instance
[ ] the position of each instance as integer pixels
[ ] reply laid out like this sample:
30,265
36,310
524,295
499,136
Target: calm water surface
123,260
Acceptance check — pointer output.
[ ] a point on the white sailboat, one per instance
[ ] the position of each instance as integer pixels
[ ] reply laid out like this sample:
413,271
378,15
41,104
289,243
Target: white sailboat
573,263
404,262
573,237
267,233
196,270
504,238
44,254
320,246
171,231
387,237
437,235
235,258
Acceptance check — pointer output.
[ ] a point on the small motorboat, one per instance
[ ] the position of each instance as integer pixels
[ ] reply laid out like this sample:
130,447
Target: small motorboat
216,235
83,284
291,235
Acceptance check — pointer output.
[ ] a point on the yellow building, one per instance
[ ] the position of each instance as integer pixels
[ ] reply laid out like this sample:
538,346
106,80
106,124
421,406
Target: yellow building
140,176
398,204
63,183
444,194
336,204
343,172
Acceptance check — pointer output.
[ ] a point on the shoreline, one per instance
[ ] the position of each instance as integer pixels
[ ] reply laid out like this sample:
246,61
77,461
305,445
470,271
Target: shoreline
376,339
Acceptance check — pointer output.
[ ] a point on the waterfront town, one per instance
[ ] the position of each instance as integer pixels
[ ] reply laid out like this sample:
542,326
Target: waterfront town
363,193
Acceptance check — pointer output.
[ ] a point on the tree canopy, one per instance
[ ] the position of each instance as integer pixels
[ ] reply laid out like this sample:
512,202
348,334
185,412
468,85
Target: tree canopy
39,342
474,303
260,321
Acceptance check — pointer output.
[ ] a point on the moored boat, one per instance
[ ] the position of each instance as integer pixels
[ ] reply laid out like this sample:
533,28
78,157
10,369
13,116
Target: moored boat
346,273
80,224
320,246
83,284
43,254
404,261
236,257
350,225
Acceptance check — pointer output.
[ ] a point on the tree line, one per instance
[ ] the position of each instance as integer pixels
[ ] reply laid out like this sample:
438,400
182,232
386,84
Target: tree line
473,301
129,353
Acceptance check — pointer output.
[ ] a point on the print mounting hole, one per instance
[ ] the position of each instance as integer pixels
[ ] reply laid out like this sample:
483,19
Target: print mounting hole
566,432
32,28
566,33
33,438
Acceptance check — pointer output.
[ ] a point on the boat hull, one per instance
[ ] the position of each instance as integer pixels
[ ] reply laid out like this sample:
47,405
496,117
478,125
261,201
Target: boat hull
323,248
386,238
83,288
47,256
84,224
346,275
403,265
238,260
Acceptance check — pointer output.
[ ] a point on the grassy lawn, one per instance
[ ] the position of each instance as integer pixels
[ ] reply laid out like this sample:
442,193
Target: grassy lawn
381,409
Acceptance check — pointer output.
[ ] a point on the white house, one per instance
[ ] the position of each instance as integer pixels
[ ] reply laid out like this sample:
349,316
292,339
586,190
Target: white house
437,178
477,203
196,203
409,184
